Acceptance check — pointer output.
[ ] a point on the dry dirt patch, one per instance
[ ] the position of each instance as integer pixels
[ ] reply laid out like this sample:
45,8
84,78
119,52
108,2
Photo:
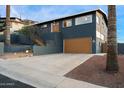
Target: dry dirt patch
15,55
93,71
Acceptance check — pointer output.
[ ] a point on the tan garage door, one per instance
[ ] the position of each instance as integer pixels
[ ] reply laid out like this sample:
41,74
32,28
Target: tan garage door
78,45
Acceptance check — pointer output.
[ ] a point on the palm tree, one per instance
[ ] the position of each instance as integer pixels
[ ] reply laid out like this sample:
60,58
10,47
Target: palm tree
112,62
7,23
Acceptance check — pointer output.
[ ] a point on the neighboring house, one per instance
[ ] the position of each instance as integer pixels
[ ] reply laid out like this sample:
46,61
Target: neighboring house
28,22
81,33
15,23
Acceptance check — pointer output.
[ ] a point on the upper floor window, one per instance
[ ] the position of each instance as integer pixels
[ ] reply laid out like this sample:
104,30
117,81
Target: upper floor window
1,24
100,35
44,26
67,23
55,27
97,19
83,20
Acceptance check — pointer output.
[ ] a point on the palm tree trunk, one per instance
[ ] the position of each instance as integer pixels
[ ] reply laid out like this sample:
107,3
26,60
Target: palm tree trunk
112,62
7,22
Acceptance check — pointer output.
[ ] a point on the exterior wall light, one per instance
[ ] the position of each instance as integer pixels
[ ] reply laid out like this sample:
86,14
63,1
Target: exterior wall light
93,41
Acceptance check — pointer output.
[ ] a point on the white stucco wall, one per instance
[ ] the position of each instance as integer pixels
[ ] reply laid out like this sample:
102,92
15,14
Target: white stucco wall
16,26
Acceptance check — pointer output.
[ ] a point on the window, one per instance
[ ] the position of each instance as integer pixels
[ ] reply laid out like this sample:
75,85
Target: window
67,23
100,36
1,24
97,19
44,26
55,27
99,43
83,20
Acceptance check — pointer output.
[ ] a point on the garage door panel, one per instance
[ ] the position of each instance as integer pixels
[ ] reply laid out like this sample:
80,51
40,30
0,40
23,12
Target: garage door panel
77,45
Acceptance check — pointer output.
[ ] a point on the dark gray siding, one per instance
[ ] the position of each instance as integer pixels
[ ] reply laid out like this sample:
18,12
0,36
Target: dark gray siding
53,44
49,49
75,31
17,48
18,39
84,30
120,48
45,29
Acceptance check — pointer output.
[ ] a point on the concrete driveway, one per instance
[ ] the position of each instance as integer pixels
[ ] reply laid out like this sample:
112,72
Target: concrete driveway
45,70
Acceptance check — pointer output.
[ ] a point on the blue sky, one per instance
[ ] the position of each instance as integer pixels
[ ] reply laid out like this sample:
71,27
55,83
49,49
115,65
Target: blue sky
46,12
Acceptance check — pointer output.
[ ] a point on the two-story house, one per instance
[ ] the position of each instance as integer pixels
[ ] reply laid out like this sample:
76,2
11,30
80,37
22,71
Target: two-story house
80,33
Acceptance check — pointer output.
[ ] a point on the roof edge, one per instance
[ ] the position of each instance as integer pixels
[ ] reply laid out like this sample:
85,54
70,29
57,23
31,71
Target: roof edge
85,12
